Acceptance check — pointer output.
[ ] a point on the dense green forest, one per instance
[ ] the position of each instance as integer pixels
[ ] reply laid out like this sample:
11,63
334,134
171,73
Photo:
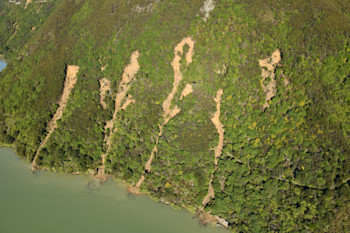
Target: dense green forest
285,160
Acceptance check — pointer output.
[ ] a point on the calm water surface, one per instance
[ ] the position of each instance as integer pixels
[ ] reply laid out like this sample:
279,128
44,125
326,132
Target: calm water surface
2,65
55,203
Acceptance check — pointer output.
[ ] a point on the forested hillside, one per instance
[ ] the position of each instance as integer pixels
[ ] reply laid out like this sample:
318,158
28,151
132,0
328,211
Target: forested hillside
235,108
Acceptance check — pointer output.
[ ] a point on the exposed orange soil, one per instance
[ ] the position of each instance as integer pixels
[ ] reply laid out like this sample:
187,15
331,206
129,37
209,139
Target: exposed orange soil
71,79
218,150
27,3
135,189
268,66
103,67
285,80
124,86
187,90
207,217
219,127
211,193
105,85
169,112
129,100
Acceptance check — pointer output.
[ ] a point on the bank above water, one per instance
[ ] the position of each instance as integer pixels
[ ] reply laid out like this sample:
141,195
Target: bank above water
50,202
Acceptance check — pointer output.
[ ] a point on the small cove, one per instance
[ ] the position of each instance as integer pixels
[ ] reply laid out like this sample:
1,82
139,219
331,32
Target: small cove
51,202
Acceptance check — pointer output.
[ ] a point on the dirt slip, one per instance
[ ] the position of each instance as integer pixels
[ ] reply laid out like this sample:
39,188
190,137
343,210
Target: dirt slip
208,6
187,90
135,189
27,3
211,193
128,75
103,67
285,80
129,100
101,175
105,86
168,111
71,79
207,217
218,150
219,127
268,66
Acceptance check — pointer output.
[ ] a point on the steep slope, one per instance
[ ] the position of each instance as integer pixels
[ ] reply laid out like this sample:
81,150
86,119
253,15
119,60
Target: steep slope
269,153
168,111
218,150
128,75
14,17
71,79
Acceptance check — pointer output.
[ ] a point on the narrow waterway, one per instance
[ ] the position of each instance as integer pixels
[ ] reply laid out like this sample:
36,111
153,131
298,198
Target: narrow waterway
50,202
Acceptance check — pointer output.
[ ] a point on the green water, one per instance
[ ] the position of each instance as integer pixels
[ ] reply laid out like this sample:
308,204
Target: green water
50,203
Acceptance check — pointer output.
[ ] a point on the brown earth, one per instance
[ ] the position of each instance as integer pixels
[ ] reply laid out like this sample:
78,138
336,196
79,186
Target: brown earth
128,75
105,86
27,3
103,67
268,66
219,127
285,80
211,193
169,112
186,91
218,150
207,217
71,79
129,100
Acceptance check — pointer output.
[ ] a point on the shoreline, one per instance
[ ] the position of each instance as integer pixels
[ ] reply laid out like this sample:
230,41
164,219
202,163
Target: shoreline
10,146
196,211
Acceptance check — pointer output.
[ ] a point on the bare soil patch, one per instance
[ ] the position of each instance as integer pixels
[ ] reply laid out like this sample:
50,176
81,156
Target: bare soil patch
211,193
129,100
207,217
187,90
219,127
103,67
218,150
71,79
268,66
128,75
105,86
208,6
27,3
168,111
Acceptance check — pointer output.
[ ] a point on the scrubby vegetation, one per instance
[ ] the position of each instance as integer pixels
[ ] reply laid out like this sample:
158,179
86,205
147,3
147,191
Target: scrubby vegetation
283,168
